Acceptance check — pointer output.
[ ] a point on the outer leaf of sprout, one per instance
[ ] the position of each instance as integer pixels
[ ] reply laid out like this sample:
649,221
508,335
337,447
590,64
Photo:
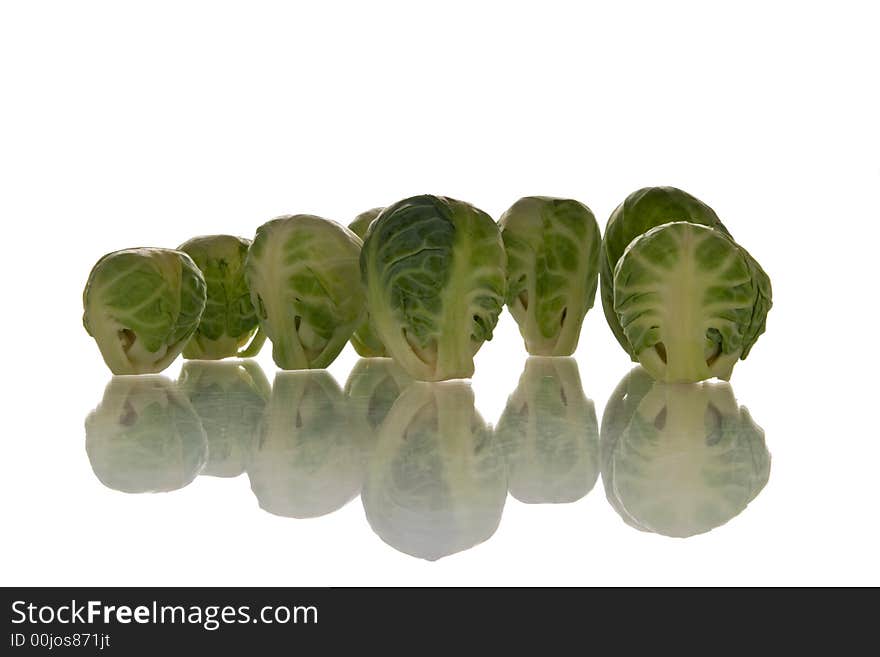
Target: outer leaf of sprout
552,249
229,320
141,306
434,269
304,280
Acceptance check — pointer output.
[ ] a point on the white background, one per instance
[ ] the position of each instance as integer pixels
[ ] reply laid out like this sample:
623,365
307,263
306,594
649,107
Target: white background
126,124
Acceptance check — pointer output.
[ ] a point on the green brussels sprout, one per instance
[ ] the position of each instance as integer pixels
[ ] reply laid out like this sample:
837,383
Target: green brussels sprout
230,399
679,460
305,283
141,306
549,434
229,320
145,436
642,210
362,222
434,269
552,249
681,296
436,481
308,458
373,386
686,297
365,340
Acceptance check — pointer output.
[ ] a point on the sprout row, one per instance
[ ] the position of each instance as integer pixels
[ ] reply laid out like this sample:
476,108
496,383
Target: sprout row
424,281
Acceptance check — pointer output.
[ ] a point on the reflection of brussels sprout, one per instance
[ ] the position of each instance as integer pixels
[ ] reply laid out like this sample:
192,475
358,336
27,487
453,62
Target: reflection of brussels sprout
303,275
145,436
372,388
681,296
230,399
365,340
141,306
434,270
552,270
436,481
307,460
678,459
549,434
229,320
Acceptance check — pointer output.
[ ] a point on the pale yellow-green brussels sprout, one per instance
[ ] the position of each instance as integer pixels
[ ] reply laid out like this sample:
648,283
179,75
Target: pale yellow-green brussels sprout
552,249
228,326
305,282
141,306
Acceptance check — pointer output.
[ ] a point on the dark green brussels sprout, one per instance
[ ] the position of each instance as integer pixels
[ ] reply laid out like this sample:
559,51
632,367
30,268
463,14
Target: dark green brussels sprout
680,295
141,306
229,320
552,270
365,340
308,458
145,436
304,279
680,460
434,270
229,398
436,480
549,434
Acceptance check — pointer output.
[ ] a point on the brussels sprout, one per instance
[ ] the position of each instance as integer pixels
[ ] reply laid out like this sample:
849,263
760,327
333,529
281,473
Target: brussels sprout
365,340
373,386
552,249
303,275
308,458
229,320
687,299
436,482
681,296
145,436
434,269
362,222
230,399
549,434
141,306
680,460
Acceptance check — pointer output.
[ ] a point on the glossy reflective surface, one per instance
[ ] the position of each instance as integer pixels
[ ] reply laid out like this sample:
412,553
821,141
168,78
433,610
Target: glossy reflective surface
433,476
